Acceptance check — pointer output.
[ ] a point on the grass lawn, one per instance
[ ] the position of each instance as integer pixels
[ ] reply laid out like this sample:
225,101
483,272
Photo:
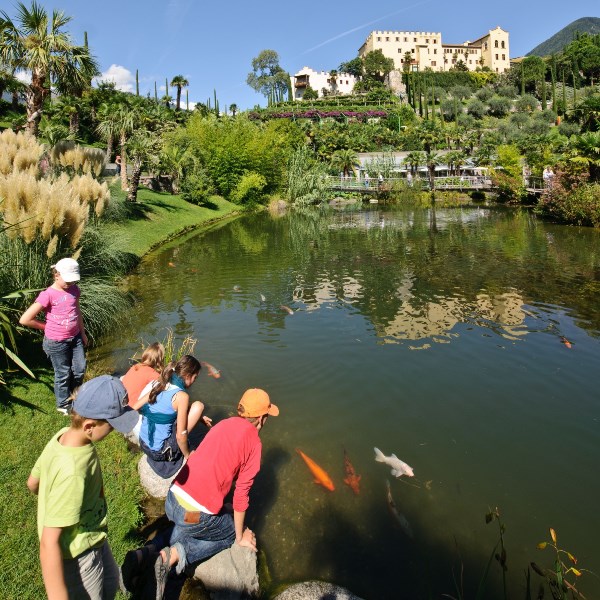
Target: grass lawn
159,216
28,417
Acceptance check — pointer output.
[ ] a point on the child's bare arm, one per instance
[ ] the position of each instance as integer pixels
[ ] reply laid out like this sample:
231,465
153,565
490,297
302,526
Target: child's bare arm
28,318
52,564
84,338
33,483
141,401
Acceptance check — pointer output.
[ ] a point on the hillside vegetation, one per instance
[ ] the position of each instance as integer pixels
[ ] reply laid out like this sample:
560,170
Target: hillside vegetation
566,35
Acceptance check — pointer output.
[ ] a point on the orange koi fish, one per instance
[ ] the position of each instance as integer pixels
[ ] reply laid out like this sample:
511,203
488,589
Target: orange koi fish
320,475
212,371
566,342
287,309
352,479
171,264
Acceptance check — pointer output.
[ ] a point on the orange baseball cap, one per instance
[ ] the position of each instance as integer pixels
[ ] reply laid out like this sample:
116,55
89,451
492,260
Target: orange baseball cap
256,403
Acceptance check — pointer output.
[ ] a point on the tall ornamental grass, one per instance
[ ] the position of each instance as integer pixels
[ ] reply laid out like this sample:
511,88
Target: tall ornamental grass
77,160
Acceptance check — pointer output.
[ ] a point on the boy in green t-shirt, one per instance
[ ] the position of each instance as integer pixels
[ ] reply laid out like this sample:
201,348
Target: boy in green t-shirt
75,556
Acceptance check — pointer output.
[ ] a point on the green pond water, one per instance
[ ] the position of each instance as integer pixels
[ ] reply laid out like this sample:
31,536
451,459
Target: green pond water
435,335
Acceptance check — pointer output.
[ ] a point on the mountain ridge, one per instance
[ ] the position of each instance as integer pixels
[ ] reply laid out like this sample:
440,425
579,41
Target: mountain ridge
561,38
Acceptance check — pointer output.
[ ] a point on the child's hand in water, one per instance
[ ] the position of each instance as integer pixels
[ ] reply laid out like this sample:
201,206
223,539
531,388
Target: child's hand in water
207,421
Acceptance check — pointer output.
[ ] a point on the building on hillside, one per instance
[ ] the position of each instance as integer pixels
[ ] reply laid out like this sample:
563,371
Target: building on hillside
428,52
322,82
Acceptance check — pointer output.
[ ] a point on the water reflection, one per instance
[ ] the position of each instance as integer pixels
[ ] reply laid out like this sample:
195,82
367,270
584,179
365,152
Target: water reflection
489,411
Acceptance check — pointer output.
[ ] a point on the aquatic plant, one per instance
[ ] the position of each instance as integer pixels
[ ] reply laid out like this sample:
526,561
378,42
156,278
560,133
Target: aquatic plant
558,576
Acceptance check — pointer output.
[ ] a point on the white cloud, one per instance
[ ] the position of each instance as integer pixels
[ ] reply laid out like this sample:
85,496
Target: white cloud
123,78
23,76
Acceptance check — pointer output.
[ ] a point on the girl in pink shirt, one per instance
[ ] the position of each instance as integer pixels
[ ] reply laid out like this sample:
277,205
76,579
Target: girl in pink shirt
64,333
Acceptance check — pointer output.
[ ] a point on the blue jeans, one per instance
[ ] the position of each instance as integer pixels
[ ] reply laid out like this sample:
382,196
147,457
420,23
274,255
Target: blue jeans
68,361
196,542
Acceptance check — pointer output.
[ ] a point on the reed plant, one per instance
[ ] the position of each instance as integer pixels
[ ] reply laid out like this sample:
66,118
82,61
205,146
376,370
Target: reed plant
174,349
19,152
67,156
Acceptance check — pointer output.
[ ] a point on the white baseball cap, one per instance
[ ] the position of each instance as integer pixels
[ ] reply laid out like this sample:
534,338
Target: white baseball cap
68,269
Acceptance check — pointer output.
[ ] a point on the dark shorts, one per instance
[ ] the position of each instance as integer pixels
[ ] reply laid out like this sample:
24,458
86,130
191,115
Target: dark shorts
166,461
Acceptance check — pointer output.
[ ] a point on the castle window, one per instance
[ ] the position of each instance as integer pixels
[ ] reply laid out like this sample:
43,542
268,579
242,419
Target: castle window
434,42
399,50
412,50
504,57
496,57
433,63
397,39
496,44
435,50
414,39
378,39
502,44
406,39
427,41
485,46
387,39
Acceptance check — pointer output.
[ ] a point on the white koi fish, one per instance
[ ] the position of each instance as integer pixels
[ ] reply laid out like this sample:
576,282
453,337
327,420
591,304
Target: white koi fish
399,467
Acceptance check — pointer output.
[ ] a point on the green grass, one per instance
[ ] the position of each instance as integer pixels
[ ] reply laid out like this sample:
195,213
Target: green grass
27,421
157,217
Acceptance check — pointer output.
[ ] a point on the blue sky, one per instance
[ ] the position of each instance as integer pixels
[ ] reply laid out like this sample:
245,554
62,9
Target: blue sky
212,43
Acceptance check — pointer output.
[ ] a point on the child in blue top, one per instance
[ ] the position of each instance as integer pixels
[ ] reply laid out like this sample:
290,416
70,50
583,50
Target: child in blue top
167,417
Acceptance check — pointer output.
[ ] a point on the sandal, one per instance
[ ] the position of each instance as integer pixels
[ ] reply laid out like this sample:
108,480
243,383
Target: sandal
161,572
132,567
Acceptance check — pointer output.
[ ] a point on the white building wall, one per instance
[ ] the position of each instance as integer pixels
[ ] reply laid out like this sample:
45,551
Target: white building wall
319,80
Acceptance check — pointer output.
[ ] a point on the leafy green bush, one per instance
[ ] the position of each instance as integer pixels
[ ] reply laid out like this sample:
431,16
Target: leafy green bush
249,190
197,188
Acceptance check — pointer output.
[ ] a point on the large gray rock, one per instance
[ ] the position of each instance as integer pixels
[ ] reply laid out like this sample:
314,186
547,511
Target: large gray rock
155,486
230,575
315,590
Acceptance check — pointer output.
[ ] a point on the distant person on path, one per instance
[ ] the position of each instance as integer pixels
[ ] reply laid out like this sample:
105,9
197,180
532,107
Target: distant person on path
64,333
75,556
548,176
230,451
366,179
409,178
379,180
118,163
168,418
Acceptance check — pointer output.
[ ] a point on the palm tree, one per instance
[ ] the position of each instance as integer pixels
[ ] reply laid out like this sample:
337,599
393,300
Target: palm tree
344,161
233,108
433,160
174,160
141,147
125,120
107,127
587,151
179,81
414,159
38,44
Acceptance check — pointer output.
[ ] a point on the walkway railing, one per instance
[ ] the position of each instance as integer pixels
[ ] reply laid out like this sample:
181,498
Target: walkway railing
373,185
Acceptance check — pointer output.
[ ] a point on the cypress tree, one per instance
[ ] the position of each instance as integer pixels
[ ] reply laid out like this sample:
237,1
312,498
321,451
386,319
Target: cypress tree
553,76
137,83
166,86
187,100
522,79
155,93
85,40
564,92
544,102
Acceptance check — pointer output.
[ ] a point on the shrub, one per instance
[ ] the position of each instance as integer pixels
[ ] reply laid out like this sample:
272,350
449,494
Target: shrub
476,108
19,152
571,199
499,106
197,188
526,103
249,189
306,177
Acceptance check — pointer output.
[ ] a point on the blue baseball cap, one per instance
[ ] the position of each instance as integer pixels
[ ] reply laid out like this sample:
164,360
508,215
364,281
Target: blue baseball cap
105,397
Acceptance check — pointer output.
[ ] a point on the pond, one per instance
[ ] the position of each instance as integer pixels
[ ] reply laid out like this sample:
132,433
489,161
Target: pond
465,341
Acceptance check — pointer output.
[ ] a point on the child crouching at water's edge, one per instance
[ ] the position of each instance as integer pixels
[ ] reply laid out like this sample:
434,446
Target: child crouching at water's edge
167,417
64,333
75,556
146,371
